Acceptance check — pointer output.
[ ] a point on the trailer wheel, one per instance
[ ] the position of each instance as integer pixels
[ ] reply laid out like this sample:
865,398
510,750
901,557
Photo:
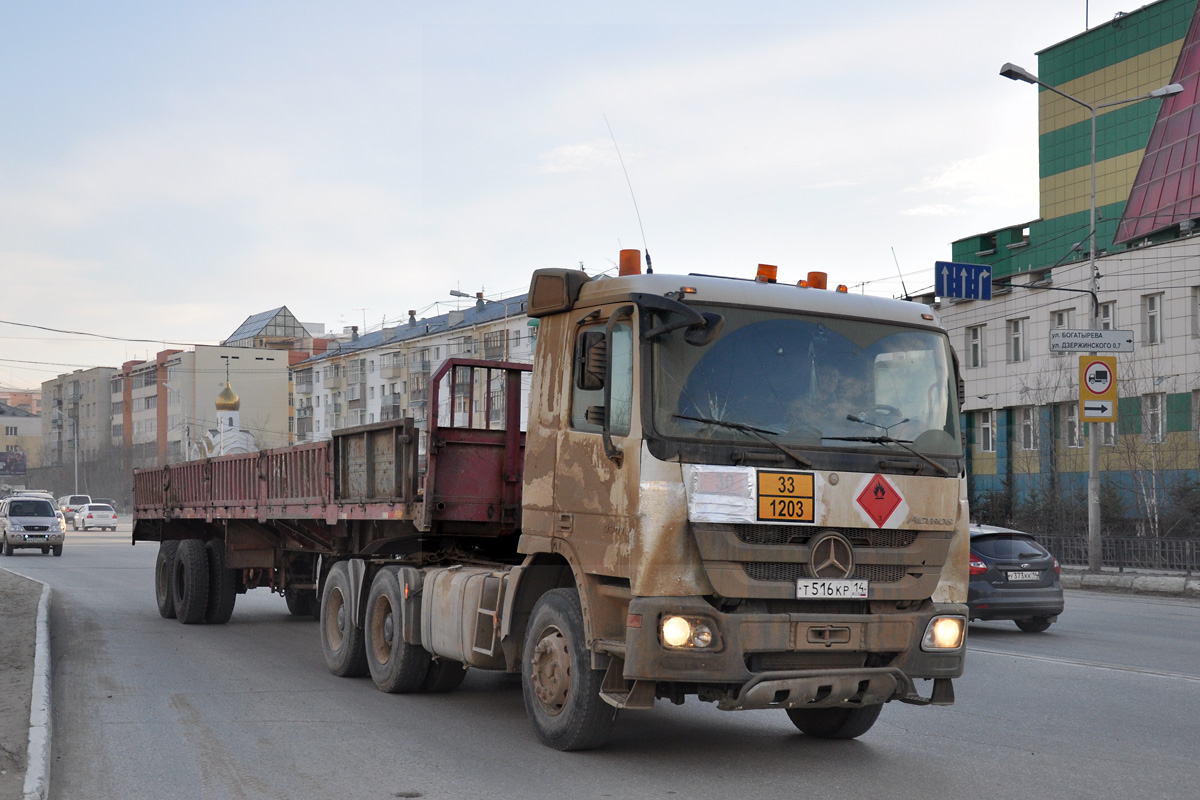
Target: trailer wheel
835,723
222,584
444,675
303,603
561,690
341,642
190,582
395,665
164,578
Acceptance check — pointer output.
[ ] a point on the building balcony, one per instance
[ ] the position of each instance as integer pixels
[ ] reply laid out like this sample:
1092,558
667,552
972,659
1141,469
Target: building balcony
304,412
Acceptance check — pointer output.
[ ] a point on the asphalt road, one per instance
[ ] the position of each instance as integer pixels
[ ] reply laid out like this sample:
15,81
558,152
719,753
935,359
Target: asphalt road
1103,705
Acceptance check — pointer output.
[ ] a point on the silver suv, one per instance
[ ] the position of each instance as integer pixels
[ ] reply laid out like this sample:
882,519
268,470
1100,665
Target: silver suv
30,522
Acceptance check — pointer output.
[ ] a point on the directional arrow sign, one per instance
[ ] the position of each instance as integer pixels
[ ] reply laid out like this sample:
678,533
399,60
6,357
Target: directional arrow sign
965,281
1063,340
1098,388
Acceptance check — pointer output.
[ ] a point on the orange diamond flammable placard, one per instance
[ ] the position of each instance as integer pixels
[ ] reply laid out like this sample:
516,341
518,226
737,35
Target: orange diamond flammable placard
879,499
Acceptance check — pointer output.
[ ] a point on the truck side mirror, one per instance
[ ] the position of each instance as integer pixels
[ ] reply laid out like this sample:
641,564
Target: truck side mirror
591,361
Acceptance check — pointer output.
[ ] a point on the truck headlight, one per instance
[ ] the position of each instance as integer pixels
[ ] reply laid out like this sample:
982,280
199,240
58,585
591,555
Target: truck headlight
687,632
944,633
16,528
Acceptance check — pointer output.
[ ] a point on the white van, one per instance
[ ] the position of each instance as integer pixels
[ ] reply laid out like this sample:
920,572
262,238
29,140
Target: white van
71,503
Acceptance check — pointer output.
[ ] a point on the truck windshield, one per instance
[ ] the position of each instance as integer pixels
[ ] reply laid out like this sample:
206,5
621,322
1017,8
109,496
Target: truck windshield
810,382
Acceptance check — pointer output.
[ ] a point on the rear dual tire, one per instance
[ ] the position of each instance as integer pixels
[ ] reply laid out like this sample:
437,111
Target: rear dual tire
341,641
192,582
396,666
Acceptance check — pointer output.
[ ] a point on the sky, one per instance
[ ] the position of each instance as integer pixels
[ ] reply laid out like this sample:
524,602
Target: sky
169,169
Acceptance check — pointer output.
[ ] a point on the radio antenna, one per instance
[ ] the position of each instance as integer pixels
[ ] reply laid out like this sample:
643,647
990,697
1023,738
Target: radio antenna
901,274
649,265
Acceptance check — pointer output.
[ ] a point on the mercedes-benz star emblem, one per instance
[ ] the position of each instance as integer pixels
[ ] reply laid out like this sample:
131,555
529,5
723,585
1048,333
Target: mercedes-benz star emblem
832,557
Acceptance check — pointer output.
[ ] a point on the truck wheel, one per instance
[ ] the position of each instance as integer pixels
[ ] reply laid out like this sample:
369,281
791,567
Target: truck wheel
190,582
395,665
303,603
341,642
835,723
57,549
164,578
222,584
46,550
444,675
561,690
7,548
1033,624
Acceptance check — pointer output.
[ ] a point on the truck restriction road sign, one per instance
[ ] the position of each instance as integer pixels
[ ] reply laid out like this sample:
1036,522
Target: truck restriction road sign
1098,388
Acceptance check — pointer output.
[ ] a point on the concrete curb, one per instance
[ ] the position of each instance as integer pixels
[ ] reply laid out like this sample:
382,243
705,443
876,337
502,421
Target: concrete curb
37,770
1134,583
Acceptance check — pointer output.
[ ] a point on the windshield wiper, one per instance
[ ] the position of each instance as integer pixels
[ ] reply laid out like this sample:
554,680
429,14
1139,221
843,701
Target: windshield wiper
757,432
885,438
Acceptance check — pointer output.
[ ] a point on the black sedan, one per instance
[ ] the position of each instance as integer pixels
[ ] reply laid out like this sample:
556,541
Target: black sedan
1013,577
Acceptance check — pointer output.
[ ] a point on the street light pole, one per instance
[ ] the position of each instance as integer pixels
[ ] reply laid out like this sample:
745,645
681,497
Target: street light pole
75,428
1015,73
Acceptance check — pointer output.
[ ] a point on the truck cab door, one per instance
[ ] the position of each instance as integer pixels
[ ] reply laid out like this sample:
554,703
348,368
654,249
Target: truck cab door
597,474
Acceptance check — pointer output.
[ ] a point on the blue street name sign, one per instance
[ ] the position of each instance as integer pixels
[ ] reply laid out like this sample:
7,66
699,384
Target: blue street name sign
965,281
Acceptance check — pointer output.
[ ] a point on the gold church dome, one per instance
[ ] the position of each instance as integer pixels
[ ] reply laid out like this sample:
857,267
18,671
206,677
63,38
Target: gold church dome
228,400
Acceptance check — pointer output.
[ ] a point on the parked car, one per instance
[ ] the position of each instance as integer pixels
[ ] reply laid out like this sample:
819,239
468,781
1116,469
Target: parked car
29,522
95,515
70,503
1014,578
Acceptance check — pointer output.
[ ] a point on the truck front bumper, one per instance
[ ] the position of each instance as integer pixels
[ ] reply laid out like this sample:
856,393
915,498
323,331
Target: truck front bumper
766,660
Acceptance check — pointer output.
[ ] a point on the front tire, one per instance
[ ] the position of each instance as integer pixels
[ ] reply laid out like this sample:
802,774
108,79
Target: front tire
561,690
222,585
164,578
1033,624
835,723
57,549
395,665
190,580
341,641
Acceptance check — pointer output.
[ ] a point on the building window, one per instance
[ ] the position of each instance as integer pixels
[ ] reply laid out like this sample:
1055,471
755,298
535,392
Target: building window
1196,311
371,392
1018,346
1064,318
977,354
1108,433
1029,428
987,442
1152,405
1152,318
1071,425
10,430
1108,316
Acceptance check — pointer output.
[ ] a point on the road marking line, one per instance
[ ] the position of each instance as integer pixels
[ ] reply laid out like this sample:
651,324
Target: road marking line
1093,664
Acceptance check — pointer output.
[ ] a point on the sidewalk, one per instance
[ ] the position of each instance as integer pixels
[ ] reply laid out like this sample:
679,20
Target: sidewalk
25,702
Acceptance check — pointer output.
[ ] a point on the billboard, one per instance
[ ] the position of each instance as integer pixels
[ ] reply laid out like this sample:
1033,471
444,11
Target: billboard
12,464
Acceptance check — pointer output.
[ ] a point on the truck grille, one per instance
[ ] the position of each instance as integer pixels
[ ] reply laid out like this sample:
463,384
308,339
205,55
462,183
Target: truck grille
799,535
777,571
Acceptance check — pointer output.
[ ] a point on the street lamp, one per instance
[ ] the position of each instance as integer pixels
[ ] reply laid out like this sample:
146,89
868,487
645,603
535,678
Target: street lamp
1015,73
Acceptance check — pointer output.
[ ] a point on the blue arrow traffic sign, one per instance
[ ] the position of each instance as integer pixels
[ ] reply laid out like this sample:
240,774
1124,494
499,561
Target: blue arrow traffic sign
965,281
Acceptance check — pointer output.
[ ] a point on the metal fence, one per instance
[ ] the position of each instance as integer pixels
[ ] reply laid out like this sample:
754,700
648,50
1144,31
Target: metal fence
1129,552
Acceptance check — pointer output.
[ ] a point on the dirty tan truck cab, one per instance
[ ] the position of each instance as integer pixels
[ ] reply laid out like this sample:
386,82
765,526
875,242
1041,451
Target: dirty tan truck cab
759,491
